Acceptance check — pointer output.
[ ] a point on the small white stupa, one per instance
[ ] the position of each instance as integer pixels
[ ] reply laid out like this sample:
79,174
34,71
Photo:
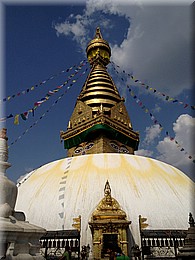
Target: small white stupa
18,238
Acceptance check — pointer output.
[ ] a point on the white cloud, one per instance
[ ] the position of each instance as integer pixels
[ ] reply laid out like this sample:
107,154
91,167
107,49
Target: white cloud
144,152
175,152
156,109
77,29
156,47
151,133
170,151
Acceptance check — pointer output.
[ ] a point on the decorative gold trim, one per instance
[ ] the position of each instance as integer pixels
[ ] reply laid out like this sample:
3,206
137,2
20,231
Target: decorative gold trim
100,119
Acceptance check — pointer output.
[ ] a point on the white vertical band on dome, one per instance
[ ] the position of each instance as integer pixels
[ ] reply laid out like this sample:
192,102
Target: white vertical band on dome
62,190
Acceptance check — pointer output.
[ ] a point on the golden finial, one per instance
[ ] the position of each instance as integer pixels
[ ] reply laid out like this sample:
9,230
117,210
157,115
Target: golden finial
98,33
98,50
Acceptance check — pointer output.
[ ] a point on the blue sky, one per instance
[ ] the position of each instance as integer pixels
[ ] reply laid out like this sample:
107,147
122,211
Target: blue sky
150,42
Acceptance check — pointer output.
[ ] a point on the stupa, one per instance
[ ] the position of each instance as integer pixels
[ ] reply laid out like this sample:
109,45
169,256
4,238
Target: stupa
102,182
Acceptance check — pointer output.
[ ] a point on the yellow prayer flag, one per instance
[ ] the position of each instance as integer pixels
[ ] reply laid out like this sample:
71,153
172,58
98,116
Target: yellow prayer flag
142,222
16,120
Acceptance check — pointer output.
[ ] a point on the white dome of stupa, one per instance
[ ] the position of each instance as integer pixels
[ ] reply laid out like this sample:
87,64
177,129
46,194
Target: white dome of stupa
57,192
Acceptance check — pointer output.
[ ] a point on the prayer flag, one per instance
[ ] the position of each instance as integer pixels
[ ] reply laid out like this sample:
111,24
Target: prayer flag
23,116
16,120
10,116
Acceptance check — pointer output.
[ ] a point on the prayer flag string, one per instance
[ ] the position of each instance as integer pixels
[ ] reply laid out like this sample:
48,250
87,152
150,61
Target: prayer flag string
155,121
28,90
48,110
37,104
167,98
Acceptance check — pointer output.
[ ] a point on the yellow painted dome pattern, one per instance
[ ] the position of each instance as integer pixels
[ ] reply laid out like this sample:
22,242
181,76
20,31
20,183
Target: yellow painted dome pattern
54,194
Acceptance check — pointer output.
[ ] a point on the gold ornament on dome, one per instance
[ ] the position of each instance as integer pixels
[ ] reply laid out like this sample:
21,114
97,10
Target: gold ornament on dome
108,206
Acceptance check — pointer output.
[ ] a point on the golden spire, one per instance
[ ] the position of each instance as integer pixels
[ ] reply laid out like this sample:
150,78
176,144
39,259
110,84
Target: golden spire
99,122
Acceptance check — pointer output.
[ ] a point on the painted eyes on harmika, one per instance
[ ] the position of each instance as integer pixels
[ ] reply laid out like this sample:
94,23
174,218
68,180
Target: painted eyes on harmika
115,146
82,149
119,149
89,146
123,149
78,150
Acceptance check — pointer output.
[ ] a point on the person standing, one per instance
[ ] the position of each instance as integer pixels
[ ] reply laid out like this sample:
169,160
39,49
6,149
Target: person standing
67,254
120,255
83,252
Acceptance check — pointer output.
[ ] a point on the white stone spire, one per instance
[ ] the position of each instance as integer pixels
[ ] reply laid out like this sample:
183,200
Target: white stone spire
18,238
8,188
3,151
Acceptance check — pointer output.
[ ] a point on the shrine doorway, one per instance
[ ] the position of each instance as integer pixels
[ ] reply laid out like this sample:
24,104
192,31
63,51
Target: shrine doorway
110,242
109,226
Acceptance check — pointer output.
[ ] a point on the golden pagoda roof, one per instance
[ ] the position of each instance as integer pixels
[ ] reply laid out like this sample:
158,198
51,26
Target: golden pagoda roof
99,89
99,110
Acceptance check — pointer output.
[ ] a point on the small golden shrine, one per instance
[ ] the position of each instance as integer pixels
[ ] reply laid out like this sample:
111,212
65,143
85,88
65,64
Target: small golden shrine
100,122
109,226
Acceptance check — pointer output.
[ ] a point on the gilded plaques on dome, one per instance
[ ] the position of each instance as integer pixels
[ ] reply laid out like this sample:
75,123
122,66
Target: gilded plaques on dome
119,114
80,114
